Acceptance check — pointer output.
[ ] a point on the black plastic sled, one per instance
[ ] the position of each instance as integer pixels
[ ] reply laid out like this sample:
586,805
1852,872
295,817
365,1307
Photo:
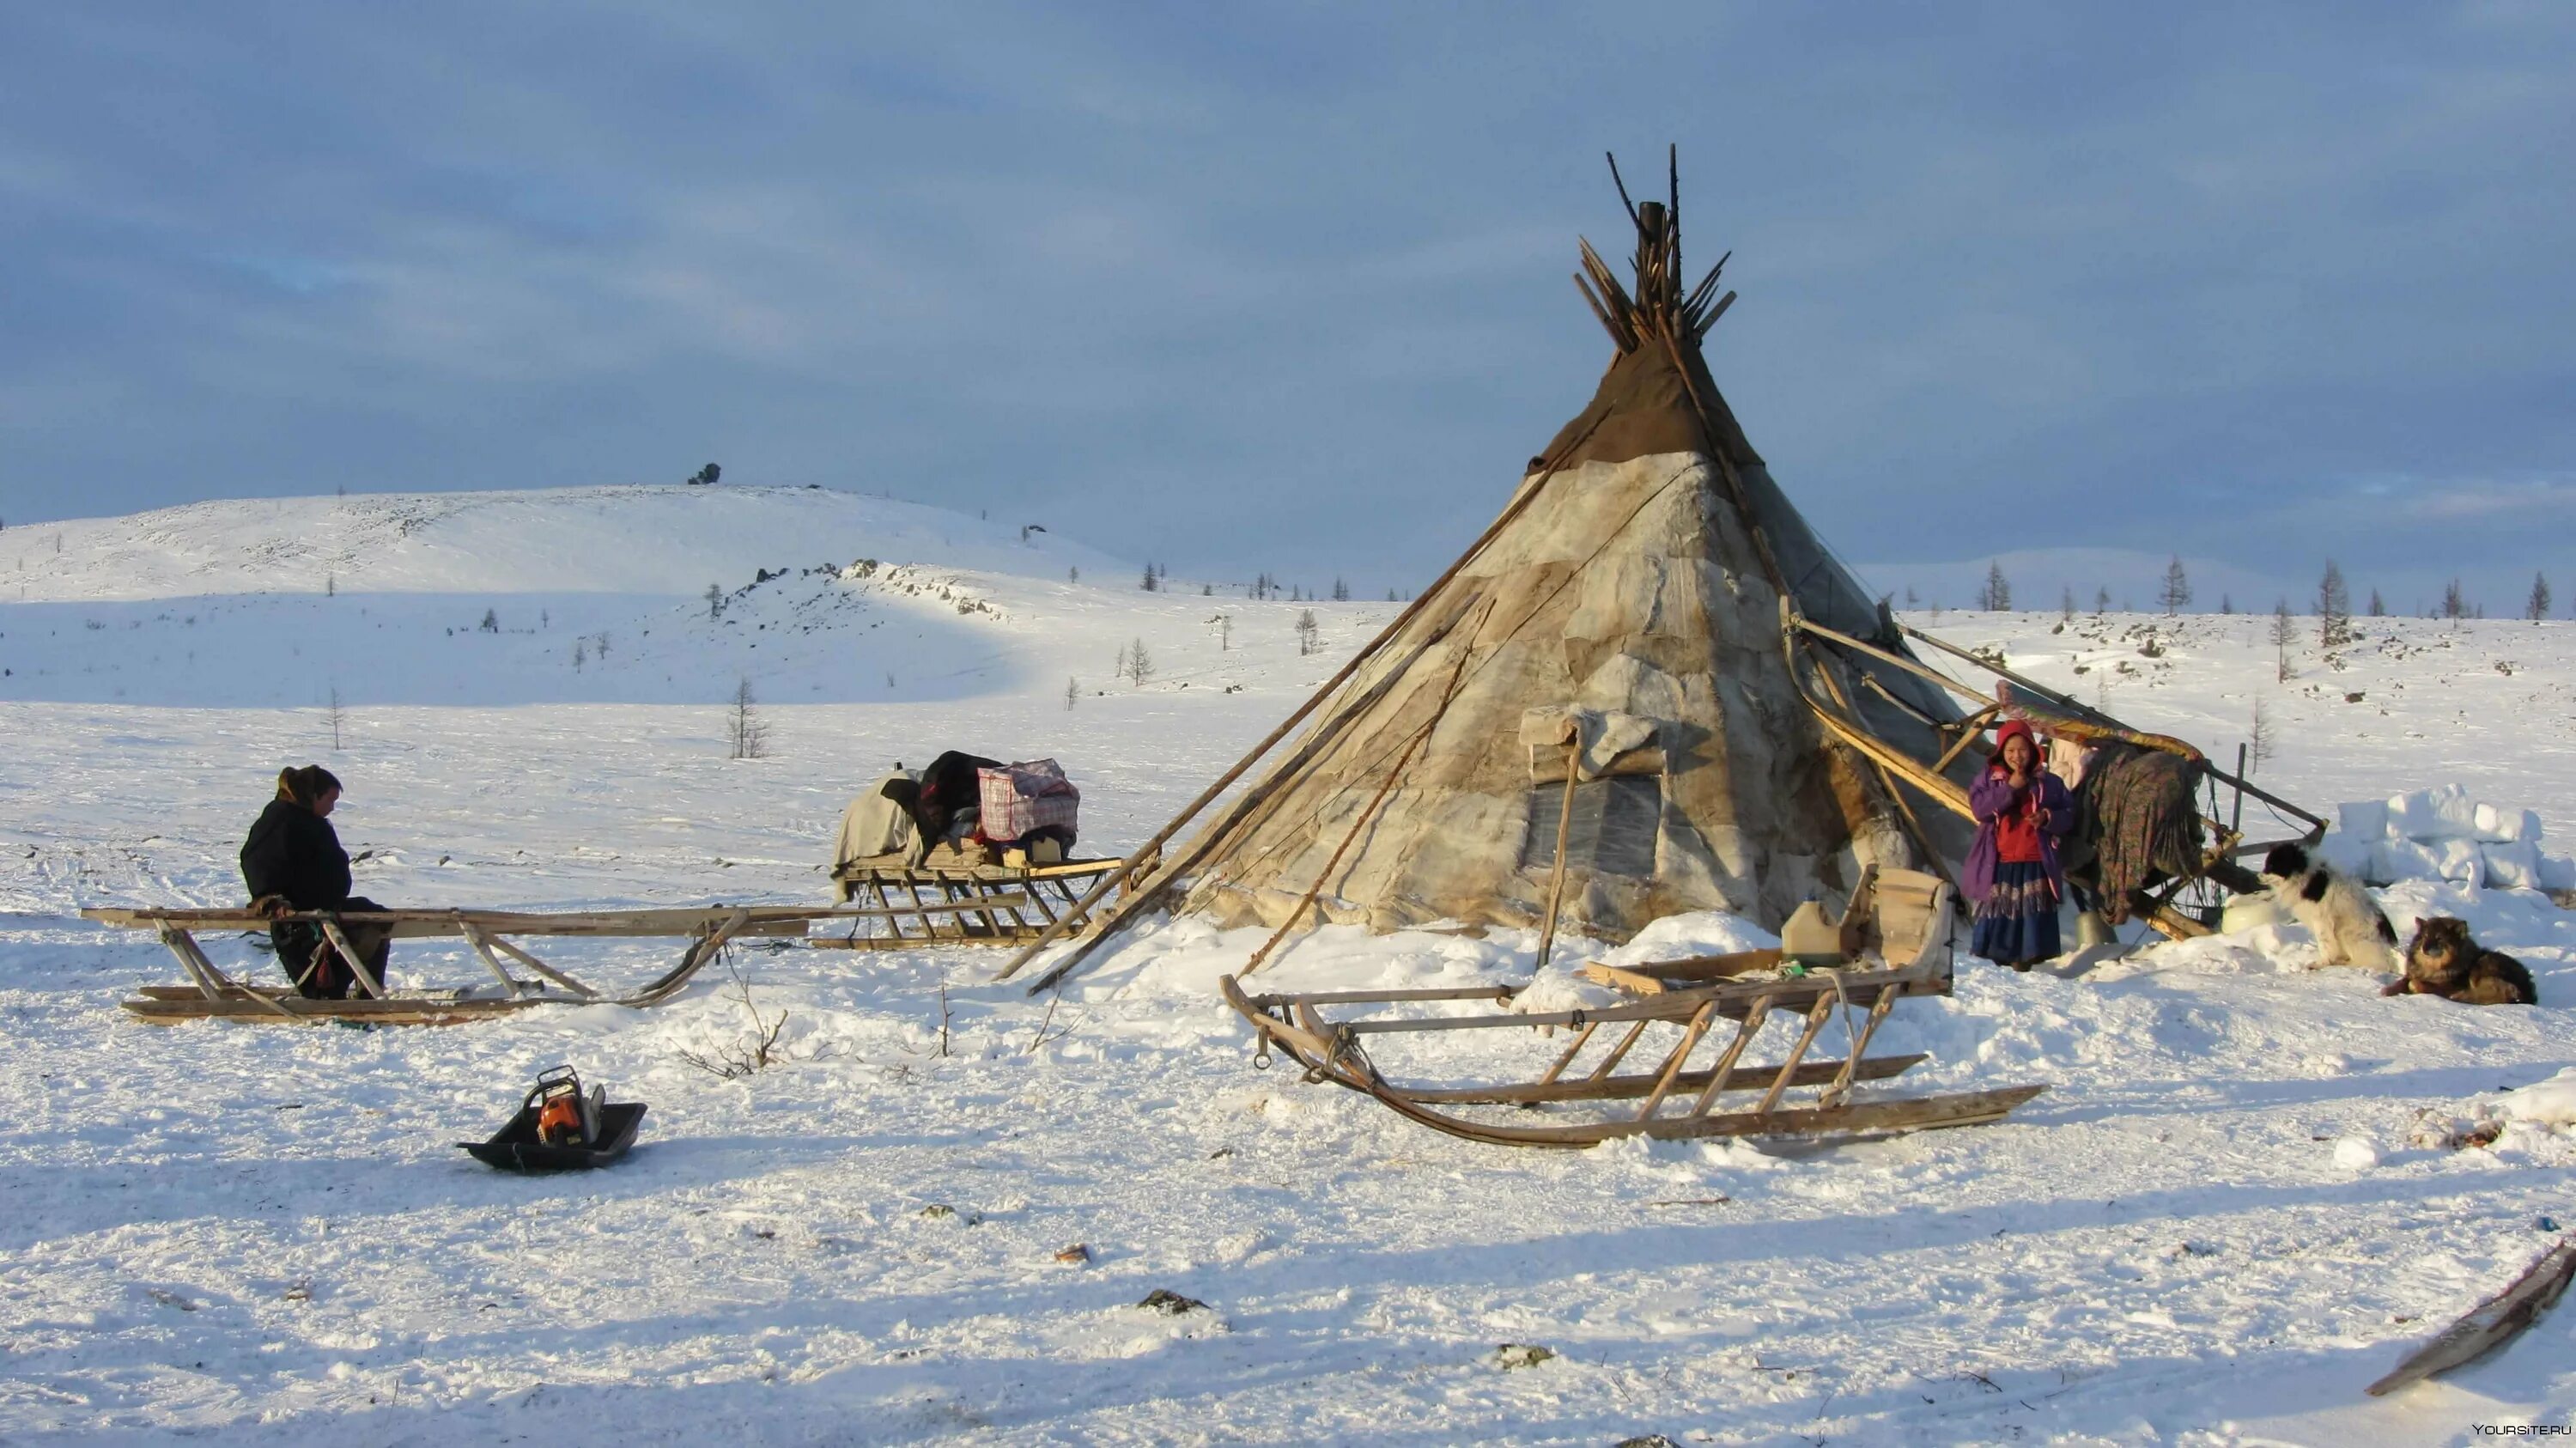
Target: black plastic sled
607,1129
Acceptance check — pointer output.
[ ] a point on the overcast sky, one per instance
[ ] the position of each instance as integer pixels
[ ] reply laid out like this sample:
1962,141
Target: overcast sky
1285,287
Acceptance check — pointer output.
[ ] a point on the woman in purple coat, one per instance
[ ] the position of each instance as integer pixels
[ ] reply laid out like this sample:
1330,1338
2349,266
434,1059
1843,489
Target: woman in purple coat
2012,874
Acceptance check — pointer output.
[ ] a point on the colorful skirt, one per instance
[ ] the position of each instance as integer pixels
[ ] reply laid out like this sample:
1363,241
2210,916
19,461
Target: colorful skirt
2017,923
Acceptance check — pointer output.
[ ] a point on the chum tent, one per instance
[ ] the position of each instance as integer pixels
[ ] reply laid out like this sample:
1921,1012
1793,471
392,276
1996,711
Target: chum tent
1623,618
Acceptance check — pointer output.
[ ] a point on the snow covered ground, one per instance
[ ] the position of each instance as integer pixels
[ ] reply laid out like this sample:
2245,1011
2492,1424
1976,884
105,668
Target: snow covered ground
2232,1211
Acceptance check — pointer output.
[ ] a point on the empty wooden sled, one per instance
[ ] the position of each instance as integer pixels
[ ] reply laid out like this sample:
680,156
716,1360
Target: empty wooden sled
1897,935
212,993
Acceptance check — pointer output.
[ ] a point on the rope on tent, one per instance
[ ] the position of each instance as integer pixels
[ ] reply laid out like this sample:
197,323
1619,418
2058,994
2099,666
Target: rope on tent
1421,737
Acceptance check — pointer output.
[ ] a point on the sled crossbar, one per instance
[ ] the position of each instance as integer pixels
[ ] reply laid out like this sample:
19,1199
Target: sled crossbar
943,902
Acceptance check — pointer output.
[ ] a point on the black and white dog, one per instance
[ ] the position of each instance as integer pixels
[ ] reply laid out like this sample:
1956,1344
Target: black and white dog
2334,907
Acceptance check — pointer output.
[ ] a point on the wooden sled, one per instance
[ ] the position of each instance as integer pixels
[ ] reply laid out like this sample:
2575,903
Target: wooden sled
1900,918
957,899
211,993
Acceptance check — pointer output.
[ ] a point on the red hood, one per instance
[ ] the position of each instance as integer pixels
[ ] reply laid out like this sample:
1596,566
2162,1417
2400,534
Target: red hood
2005,735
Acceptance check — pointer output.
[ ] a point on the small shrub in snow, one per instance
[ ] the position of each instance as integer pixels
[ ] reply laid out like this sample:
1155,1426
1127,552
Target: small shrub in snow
750,1054
744,728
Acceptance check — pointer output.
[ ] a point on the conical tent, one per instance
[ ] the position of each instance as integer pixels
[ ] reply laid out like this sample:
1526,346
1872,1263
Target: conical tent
1623,620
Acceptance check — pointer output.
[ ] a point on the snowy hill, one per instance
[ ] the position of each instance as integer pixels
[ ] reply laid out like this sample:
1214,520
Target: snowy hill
2241,1199
586,595
631,539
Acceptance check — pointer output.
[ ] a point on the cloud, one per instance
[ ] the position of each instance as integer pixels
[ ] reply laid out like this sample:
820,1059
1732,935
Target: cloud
2552,500
1239,278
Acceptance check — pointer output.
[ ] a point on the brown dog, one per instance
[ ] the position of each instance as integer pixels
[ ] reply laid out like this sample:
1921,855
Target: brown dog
2443,961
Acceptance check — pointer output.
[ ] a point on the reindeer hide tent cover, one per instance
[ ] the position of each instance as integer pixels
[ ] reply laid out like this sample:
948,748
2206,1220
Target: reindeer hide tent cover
1625,618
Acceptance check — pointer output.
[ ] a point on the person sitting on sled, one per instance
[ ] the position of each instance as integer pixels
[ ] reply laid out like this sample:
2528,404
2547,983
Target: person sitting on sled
293,861
2012,874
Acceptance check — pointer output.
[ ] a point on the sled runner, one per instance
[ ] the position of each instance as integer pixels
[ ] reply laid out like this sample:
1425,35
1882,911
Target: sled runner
1898,942
214,993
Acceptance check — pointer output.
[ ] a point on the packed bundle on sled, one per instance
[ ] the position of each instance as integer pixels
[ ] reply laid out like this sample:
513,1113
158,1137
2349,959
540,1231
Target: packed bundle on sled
984,846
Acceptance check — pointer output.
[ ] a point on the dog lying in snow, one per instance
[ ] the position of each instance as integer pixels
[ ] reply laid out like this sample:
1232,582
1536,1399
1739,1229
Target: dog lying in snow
2334,907
2443,961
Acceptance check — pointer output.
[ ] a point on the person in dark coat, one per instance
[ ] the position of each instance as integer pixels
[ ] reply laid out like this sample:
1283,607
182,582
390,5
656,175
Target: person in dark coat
293,861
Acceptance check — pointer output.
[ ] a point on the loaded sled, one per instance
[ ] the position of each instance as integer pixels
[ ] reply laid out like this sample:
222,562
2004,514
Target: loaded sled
1892,943
958,897
969,851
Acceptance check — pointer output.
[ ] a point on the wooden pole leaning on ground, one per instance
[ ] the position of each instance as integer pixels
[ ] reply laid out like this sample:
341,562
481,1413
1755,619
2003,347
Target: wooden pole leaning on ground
1359,824
1128,909
1556,873
1146,856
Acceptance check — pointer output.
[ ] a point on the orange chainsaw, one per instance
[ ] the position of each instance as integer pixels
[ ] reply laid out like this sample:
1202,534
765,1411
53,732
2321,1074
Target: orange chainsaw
566,1114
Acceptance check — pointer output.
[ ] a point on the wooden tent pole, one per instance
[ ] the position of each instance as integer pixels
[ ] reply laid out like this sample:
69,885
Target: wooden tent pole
1913,824
1148,855
1403,760
2063,701
1511,511
1556,875
1911,666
